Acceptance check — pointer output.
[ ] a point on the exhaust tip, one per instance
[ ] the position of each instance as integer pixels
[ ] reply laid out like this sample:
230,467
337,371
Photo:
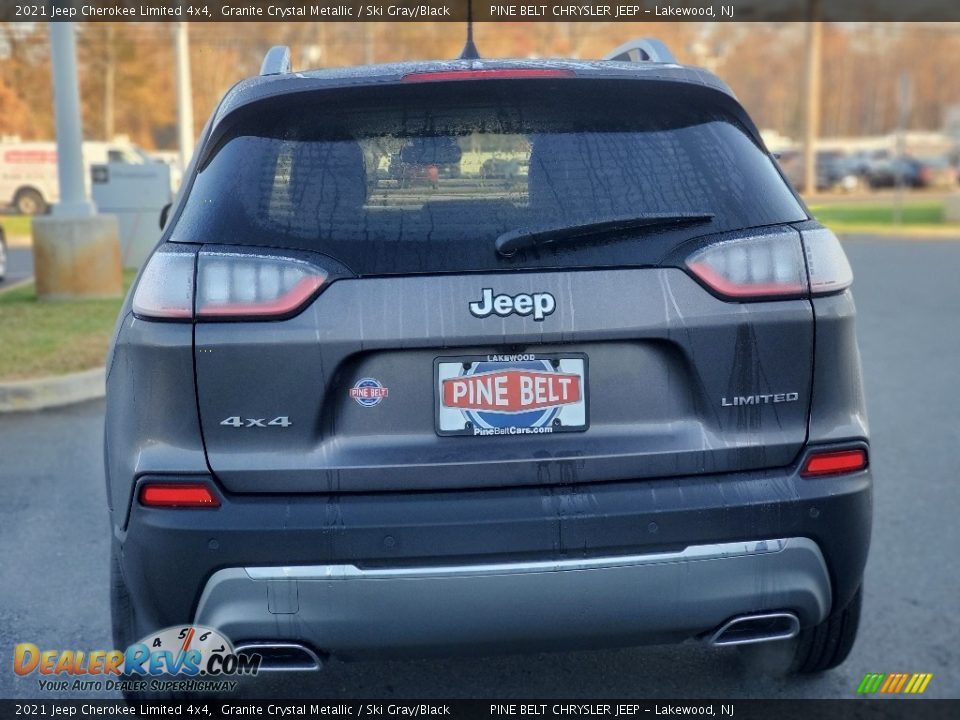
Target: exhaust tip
282,656
749,629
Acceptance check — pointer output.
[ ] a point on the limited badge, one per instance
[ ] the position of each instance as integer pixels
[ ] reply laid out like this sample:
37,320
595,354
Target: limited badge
369,392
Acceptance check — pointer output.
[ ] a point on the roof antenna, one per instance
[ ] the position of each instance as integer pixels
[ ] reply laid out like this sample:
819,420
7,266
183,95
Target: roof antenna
469,51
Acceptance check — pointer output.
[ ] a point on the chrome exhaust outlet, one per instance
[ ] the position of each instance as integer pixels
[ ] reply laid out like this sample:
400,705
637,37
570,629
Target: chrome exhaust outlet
281,656
748,629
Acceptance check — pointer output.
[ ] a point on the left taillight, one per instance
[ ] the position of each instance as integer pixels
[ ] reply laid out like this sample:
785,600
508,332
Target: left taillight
182,284
165,288
235,285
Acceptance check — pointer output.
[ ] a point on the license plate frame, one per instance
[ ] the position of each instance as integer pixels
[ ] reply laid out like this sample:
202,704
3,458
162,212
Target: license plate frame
567,415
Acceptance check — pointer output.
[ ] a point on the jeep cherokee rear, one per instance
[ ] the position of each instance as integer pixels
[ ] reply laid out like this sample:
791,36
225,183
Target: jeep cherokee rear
584,373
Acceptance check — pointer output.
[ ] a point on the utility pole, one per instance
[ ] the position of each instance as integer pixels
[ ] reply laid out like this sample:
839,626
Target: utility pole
109,84
904,101
184,93
66,110
76,252
812,124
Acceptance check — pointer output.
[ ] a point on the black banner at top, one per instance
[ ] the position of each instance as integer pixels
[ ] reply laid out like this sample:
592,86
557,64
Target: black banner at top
415,709
483,10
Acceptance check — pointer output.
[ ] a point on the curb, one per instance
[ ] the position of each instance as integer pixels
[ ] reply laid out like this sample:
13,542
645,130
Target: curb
8,286
50,392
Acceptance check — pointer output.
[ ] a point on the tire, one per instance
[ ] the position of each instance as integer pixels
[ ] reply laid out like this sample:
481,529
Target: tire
123,619
827,645
30,202
814,650
125,630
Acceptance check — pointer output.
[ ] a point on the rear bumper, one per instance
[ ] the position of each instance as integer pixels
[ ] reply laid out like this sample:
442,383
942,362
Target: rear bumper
348,611
171,557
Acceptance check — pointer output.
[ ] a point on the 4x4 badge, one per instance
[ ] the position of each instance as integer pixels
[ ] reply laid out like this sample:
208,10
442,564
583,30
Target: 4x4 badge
540,304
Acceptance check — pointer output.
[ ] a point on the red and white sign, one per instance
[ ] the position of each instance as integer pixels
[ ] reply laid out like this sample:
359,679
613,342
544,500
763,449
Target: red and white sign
511,391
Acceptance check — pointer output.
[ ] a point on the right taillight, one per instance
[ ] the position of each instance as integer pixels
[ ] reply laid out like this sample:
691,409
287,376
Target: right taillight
179,283
826,262
772,266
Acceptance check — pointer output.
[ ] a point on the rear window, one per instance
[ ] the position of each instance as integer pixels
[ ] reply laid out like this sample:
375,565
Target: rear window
424,177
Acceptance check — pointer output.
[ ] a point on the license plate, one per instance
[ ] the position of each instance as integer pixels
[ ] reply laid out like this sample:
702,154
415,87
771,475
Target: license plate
525,394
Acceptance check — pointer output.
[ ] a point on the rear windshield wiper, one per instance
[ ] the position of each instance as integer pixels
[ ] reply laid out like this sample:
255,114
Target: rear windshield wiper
513,240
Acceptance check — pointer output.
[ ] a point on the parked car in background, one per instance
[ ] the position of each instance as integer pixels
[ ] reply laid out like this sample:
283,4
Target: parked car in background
888,172
28,170
937,172
931,172
834,170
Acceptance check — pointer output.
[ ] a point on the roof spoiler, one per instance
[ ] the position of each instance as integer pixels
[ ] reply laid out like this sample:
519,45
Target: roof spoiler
641,50
276,61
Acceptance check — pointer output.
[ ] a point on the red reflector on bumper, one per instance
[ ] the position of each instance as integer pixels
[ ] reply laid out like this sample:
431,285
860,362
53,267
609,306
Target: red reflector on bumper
178,495
836,461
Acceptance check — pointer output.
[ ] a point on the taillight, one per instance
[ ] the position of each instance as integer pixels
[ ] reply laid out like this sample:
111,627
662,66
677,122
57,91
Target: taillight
826,262
488,74
165,288
761,266
770,266
833,462
231,285
178,495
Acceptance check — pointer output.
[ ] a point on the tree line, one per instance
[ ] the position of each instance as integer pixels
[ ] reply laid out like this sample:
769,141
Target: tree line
127,79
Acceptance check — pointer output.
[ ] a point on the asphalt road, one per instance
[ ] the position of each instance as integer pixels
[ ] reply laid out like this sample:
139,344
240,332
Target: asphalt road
54,537
19,265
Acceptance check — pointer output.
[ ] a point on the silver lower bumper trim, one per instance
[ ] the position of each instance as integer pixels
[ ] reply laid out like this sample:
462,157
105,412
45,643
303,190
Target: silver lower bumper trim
632,599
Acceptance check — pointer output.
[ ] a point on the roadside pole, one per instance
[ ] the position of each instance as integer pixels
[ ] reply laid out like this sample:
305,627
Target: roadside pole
812,124
76,252
184,93
66,108
903,120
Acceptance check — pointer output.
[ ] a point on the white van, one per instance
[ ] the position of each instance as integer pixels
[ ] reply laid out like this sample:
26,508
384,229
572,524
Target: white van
28,170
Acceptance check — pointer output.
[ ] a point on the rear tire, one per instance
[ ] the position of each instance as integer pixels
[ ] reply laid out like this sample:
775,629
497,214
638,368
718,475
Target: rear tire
815,650
30,202
123,622
825,646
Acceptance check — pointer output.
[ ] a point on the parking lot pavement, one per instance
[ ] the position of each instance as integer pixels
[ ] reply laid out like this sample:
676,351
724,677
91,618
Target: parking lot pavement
54,534
19,265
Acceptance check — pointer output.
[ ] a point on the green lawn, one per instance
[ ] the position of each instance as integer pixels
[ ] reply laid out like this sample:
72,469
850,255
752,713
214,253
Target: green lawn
914,212
15,224
53,338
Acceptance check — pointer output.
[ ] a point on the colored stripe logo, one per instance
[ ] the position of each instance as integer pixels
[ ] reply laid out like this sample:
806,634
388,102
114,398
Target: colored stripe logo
894,683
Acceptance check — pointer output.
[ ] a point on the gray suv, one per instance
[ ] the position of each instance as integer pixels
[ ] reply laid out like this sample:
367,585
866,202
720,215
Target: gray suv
488,355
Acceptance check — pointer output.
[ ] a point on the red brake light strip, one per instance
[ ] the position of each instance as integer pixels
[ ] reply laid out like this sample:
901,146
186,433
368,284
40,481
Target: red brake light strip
178,495
834,462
